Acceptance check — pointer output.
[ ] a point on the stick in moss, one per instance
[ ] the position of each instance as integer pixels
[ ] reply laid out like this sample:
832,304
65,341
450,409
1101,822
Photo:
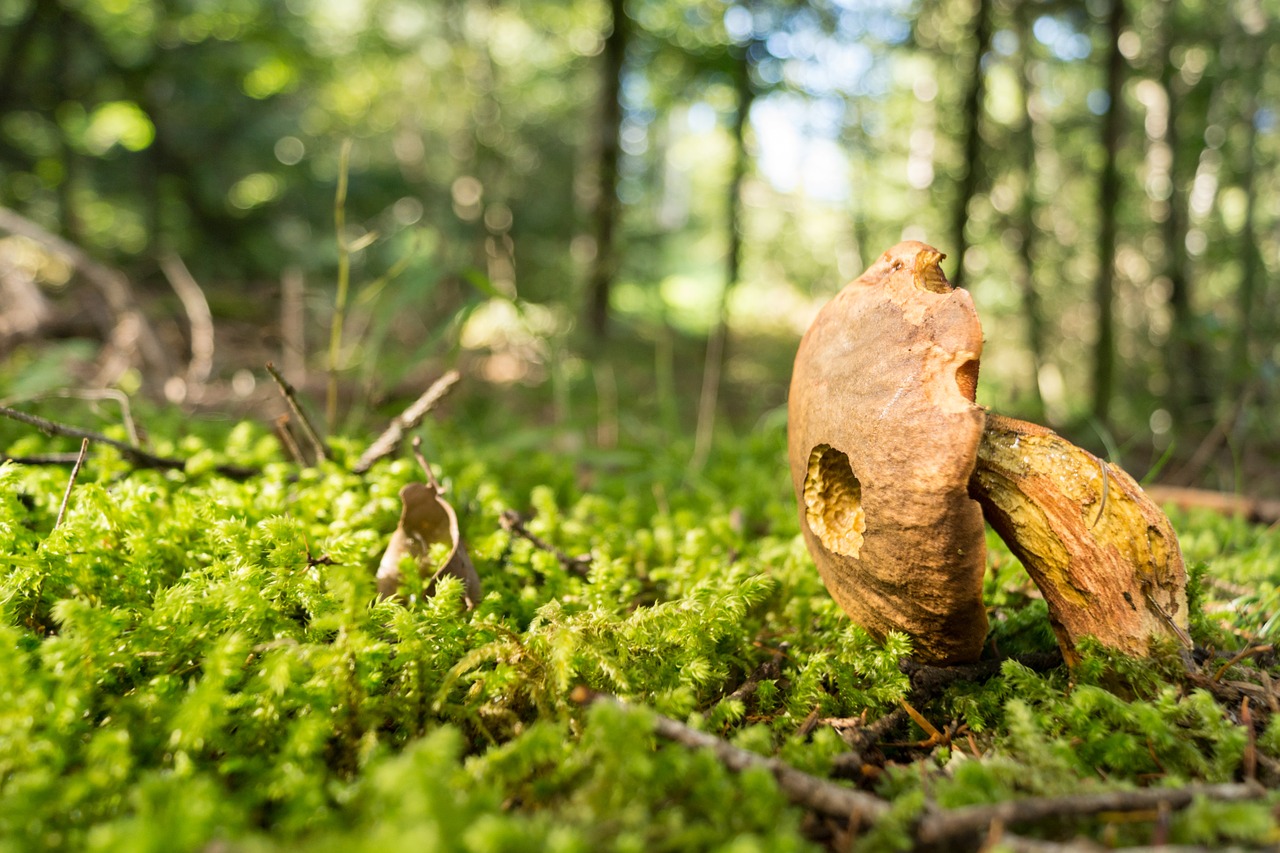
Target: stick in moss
812,792
137,457
514,524
308,429
71,482
940,827
386,443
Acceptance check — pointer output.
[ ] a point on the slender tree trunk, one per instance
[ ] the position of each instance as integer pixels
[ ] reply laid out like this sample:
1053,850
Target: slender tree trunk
606,210
1243,368
717,342
1108,201
1032,312
1185,357
971,171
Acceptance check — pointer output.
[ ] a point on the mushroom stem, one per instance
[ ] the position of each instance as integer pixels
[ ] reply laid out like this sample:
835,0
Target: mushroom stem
1103,554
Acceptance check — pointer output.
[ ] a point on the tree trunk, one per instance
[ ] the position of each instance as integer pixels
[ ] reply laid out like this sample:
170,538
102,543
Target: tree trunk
1243,368
1185,357
718,340
971,172
1108,201
606,210
1032,312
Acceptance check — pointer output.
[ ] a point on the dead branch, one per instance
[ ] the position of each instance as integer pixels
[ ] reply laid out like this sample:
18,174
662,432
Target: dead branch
93,394
131,332
766,671
1256,510
514,524
939,827
928,681
137,457
308,429
812,792
71,482
199,316
861,738
287,441
387,443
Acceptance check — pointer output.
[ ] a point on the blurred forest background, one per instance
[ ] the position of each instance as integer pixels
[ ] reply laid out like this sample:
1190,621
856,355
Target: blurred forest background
625,212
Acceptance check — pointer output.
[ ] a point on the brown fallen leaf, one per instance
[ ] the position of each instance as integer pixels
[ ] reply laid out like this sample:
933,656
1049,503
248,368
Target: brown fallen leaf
427,519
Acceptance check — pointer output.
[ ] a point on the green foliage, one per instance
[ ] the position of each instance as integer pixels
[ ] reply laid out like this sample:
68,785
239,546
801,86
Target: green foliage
187,660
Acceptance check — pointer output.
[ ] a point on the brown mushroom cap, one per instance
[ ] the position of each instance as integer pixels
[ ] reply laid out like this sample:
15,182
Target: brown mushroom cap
883,437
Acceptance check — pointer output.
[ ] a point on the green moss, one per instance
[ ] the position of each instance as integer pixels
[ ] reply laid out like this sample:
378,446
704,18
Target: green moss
189,660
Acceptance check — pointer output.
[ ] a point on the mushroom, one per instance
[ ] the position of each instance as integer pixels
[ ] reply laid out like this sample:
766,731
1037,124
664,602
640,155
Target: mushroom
894,466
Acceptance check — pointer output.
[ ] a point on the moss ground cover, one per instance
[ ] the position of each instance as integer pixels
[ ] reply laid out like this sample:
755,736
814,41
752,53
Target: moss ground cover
189,660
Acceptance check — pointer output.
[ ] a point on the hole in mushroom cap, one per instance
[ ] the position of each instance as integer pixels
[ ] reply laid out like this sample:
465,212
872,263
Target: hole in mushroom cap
833,501
967,379
928,274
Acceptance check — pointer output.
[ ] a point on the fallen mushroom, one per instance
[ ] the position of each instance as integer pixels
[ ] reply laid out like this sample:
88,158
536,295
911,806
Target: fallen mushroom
888,452
1103,554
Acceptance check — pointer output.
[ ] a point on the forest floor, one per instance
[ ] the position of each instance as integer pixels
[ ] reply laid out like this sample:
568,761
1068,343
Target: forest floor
197,656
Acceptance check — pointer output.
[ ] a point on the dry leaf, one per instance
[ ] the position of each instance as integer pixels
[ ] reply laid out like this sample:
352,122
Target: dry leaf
427,519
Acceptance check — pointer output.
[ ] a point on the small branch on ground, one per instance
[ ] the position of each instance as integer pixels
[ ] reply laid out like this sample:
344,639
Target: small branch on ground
1256,510
861,739
285,436
1248,651
942,827
425,465
514,524
131,334
42,459
767,671
308,429
137,457
93,394
928,681
71,481
386,444
812,792
200,368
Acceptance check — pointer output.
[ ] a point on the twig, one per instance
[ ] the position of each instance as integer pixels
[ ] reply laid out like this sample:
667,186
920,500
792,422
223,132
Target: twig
812,792
1256,510
198,315
344,282
928,680
291,398
425,465
1239,656
71,481
513,524
42,459
287,441
131,332
126,413
766,671
136,456
386,443
939,827
848,765
1250,760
